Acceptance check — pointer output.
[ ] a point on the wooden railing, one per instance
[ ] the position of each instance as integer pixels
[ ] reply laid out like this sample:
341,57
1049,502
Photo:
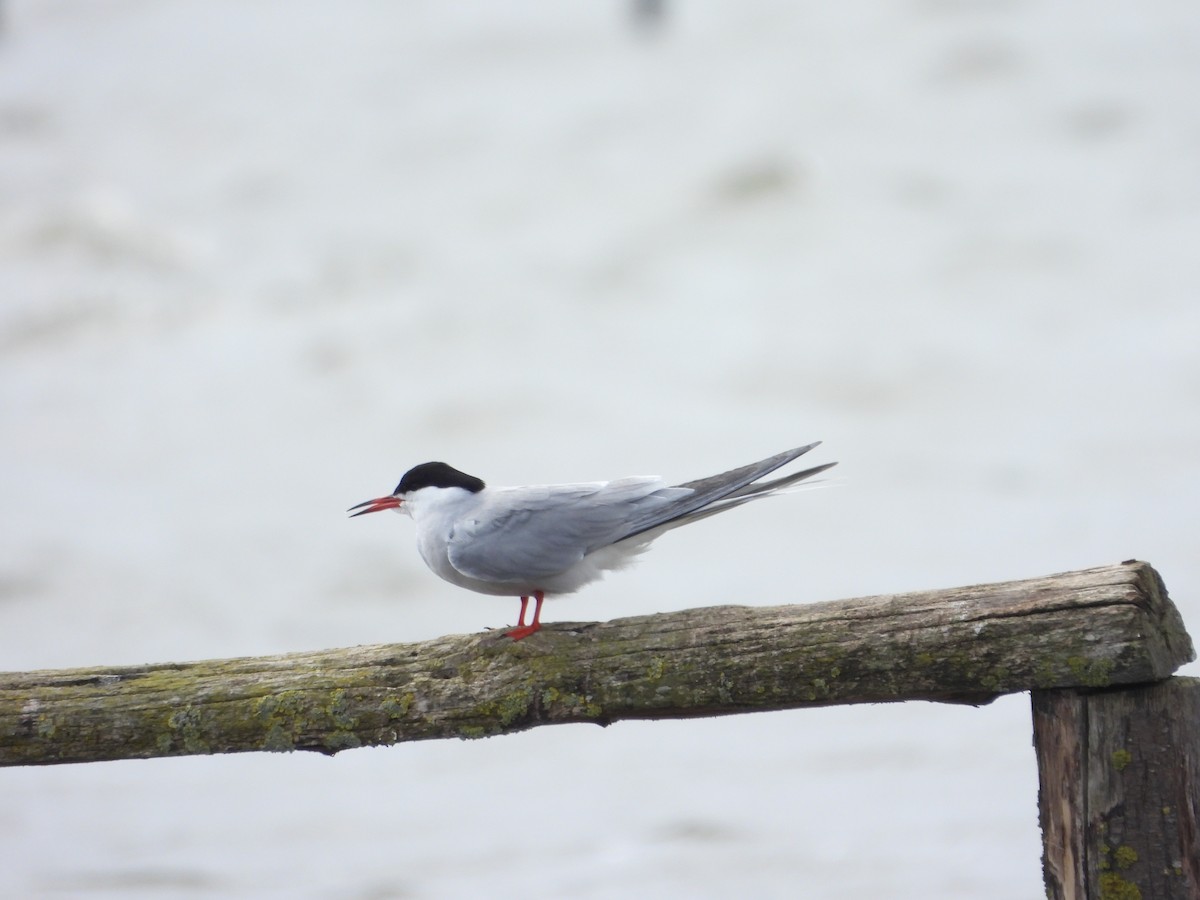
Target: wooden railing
1117,738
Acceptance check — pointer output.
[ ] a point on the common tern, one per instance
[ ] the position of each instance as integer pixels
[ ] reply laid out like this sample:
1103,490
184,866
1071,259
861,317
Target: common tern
534,540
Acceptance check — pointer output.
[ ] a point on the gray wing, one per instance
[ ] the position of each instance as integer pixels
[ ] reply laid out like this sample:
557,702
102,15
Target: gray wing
526,534
530,533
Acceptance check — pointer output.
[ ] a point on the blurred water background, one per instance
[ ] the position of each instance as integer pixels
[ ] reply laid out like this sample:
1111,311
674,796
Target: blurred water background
260,258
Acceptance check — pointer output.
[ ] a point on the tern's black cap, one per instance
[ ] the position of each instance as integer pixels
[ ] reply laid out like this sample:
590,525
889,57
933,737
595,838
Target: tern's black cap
437,474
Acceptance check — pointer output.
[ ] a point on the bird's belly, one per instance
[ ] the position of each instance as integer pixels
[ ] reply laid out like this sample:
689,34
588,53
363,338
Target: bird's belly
435,556
591,568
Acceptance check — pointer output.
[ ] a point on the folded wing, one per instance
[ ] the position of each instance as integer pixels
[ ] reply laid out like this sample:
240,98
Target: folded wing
531,533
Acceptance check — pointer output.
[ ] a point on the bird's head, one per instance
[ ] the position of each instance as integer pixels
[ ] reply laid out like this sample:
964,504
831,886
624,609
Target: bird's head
426,475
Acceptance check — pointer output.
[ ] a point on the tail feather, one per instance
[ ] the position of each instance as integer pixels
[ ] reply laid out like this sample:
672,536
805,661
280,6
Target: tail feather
718,493
778,484
751,492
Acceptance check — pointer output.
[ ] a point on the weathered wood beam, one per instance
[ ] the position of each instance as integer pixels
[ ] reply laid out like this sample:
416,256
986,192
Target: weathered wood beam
1093,628
1119,795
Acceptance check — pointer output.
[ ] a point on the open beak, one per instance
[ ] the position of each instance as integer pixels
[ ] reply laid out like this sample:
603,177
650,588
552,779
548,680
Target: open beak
379,503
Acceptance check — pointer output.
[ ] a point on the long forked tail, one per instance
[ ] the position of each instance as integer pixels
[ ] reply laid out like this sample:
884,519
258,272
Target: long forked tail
718,493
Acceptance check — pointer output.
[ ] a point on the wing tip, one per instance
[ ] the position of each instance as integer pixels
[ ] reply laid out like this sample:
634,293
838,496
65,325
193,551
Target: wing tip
797,452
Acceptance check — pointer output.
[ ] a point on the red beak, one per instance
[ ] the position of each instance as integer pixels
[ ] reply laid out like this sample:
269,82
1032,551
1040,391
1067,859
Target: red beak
379,503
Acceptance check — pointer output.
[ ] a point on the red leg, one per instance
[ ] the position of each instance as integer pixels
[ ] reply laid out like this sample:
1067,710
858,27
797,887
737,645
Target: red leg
522,630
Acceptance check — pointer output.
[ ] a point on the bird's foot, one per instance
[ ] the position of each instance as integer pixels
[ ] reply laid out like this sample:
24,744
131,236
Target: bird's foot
523,631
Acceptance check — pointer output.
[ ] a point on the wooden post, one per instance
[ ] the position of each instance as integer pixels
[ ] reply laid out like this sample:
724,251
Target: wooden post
1119,796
